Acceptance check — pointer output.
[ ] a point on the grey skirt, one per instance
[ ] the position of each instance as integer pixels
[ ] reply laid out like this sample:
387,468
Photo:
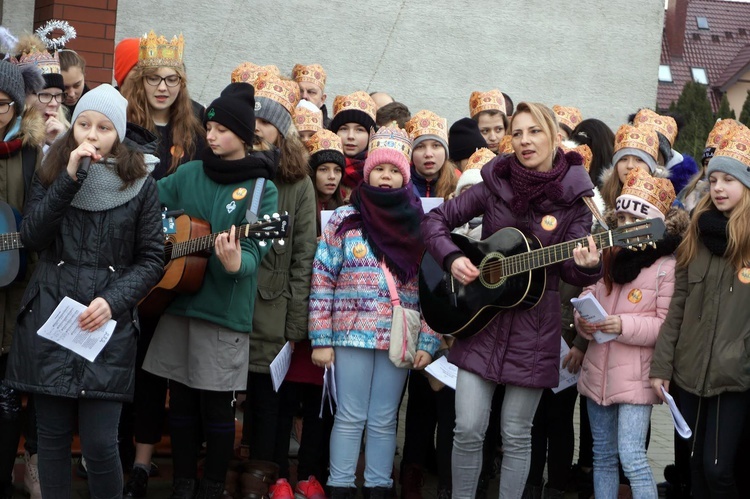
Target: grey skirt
199,354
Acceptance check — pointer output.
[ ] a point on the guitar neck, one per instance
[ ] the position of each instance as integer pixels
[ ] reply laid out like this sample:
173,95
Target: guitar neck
204,243
10,241
550,255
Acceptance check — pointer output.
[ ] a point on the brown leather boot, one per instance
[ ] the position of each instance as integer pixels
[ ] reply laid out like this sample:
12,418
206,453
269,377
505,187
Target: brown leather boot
232,480
256,477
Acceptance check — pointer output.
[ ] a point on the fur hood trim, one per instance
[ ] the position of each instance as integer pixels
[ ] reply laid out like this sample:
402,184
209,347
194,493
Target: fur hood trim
33,132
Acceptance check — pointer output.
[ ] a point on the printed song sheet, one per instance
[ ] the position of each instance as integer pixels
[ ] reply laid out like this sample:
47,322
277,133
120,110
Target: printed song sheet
591,310
567,378
444,371
62,328
280,366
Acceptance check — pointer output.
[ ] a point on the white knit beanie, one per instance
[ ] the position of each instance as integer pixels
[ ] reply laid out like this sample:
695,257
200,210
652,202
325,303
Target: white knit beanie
108,101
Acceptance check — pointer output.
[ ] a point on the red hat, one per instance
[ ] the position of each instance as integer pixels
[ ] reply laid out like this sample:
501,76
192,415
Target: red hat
126,57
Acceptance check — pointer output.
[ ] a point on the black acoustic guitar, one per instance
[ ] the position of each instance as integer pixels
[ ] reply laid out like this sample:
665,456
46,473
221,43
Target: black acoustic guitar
511,274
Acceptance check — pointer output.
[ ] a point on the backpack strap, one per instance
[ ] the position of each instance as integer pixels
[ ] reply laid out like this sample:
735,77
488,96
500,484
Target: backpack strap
253,202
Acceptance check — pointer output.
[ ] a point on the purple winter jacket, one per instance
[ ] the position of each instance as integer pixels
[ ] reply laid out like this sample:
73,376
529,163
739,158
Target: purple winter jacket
519,347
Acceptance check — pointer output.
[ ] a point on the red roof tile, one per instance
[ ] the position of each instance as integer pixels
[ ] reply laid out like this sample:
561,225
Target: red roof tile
720,50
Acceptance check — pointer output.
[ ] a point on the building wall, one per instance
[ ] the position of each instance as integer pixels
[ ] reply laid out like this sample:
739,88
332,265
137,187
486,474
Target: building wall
600,56
737,93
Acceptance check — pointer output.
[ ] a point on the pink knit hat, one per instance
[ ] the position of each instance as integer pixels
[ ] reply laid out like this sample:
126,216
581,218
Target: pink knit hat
389,144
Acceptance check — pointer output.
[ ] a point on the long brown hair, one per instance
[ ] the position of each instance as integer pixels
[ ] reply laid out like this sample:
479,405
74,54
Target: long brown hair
738,232
447,179
293,165
129,164
184,124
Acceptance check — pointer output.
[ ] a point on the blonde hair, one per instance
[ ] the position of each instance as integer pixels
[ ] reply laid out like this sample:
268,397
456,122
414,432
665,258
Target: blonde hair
738,233
543,116
185,126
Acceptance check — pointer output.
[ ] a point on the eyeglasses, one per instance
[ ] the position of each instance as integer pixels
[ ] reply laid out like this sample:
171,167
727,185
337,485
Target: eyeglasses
170,81
5,107
46,98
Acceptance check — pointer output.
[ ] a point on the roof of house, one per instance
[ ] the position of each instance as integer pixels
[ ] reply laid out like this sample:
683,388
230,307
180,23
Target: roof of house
723,49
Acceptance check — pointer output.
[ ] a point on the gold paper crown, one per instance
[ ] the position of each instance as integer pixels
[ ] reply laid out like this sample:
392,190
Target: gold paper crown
480,158
427,123
285,92
506,145
656,191
358,101
314,73
584,151
721,130
665,125
568,116
154,52
642,137
306,120
486,101
391,137
247,72
324,140
736,145
46,62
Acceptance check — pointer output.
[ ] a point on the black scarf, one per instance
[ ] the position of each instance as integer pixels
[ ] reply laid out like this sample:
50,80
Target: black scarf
627,264
261,164
390,220
712,231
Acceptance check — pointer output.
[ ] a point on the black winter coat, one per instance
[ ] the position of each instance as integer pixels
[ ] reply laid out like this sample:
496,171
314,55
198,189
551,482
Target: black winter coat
115,254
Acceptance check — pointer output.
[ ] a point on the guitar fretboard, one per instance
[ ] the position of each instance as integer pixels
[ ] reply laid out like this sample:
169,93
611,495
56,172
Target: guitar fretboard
203,243
10,241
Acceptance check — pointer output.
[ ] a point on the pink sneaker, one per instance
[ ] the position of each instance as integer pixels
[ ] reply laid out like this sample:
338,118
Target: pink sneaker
281,490
309,489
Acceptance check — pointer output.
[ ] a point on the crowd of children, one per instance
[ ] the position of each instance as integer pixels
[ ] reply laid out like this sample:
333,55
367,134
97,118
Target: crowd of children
90,171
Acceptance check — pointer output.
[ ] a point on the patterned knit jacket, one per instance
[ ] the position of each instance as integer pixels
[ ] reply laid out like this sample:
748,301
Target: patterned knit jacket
349,301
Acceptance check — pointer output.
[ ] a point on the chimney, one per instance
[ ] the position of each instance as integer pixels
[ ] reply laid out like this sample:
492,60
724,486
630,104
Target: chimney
675,25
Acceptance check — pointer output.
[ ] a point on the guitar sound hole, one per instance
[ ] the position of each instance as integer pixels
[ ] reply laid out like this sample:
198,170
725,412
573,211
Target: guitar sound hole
492,271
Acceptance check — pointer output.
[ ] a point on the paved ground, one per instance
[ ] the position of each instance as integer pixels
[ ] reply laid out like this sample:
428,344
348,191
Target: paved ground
659,453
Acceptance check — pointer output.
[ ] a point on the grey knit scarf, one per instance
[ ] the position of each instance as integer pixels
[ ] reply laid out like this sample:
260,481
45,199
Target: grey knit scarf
102,189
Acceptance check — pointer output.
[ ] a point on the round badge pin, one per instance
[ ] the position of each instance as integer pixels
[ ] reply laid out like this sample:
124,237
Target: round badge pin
549,223
239,193
635,295
744,275
359,250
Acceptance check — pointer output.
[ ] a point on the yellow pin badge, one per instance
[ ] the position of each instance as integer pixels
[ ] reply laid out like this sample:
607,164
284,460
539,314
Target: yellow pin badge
549,223
635,295
359,250
239,193
744,275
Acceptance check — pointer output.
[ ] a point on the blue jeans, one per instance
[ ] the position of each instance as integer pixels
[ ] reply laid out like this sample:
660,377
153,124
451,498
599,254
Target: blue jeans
369,389
620,429
473,402
97,427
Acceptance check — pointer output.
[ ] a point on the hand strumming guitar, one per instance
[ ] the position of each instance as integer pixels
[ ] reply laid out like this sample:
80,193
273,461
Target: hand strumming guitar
463,270
228,251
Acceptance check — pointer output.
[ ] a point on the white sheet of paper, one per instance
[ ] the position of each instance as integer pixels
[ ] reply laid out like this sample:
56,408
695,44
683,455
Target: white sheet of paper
679,422
62,328
429,204
444,371
567,378
591,310
329,390
280,366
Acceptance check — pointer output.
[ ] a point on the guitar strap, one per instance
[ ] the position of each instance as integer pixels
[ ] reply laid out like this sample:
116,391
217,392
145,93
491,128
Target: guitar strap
254,201
595,211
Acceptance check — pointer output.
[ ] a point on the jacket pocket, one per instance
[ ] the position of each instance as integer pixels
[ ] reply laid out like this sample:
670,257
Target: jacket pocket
229,347
271,283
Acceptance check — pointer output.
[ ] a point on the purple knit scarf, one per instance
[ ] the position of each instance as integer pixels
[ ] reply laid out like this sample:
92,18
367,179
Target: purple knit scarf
531,186
390,220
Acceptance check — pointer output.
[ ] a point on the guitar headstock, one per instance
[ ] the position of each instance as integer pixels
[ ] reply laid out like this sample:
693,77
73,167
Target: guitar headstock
270,227
640,234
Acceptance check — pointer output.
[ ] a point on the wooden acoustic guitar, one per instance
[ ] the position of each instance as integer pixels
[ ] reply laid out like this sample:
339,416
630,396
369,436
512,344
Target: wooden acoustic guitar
12,260
511,274
186,255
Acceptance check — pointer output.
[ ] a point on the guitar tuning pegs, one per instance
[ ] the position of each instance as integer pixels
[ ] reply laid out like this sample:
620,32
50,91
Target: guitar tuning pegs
281,242
652,244
266,218
275,216
262,243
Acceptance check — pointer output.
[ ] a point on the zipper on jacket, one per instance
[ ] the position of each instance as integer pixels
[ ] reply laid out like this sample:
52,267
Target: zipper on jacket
697,419
60,263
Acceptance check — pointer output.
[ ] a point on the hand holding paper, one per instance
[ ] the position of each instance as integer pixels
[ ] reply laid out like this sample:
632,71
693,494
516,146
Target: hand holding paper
592,312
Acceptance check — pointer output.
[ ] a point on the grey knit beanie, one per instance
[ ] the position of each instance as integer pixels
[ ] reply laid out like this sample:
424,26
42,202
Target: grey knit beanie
11,82
274,113
108,101
733,167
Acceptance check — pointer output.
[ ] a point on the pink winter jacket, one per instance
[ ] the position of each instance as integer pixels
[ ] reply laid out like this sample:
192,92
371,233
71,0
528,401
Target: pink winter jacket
617,372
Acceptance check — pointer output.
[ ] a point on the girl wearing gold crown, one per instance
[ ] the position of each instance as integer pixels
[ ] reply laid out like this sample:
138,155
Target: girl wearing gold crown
635,291
702,349
538,190
368,248
433,174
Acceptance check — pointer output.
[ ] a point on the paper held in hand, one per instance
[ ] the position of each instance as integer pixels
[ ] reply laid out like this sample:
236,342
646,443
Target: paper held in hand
591,310
62,328
679,422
